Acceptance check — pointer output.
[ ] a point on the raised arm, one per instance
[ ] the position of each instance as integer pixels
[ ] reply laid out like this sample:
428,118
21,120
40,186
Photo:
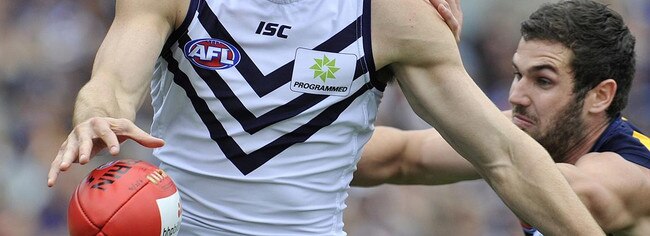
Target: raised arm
410,38
416,157
107,104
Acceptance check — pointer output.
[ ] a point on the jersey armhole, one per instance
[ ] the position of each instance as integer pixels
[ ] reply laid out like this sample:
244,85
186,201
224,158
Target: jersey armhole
367,46
191,12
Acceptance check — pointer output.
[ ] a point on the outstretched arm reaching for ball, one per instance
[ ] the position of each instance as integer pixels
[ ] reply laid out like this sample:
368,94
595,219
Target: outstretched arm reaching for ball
107,104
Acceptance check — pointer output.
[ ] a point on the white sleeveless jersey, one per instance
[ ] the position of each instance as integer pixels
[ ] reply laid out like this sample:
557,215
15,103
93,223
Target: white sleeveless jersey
264,107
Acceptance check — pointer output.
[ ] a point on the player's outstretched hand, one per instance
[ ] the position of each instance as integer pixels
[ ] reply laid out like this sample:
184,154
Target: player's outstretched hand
93,135
451,13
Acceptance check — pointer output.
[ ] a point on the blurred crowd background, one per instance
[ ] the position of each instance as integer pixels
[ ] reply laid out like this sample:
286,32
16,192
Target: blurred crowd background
46,53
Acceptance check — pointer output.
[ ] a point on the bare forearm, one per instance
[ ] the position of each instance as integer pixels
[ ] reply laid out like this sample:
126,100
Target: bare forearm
421,157
534,189
432,178
431,161
124,63
428,170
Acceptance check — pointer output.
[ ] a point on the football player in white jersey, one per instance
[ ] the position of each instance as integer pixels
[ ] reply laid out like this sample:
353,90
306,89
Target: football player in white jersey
231,125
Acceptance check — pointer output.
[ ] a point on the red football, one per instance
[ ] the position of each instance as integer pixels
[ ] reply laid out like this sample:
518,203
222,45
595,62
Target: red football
125,197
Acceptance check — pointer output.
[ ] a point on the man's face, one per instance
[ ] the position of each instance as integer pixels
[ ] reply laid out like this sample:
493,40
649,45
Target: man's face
542,98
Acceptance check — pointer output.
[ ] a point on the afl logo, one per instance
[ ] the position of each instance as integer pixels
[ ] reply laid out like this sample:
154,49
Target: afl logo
211,54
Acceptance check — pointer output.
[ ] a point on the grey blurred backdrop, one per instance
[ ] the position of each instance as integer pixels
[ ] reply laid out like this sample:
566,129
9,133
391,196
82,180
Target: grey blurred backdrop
46,52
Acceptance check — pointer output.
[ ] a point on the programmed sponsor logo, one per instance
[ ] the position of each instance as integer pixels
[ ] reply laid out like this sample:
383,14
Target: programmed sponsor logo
324,73
318,87
211,53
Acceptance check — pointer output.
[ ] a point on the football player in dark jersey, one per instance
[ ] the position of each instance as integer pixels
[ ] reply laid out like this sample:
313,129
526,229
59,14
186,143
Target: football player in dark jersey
573,70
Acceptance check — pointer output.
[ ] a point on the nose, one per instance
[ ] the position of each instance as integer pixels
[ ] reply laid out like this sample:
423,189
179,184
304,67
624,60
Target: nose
518,93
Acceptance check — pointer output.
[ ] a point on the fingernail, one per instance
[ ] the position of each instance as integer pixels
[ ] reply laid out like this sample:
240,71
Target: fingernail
446,5
114,149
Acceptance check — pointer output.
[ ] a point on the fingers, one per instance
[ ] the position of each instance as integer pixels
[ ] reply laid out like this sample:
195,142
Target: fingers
51,176
449,18
78,147
91,136
85,147
446,14
124,127
435,3
457,12
104,129
451,13
456,8
55,167
69,154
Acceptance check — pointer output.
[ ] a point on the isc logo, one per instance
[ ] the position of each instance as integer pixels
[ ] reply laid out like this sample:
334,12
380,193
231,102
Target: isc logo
272,29
211,54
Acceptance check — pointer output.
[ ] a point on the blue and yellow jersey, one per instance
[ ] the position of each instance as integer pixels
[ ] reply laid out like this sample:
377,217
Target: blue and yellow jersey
623,138
620,137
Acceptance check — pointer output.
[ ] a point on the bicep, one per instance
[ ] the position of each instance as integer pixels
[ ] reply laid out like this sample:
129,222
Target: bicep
428,67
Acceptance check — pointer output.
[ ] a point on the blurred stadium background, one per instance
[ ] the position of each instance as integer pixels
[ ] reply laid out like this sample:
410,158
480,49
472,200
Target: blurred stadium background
46,52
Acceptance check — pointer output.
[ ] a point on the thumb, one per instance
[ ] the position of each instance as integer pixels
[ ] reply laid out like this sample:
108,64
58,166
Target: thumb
145,139
125,129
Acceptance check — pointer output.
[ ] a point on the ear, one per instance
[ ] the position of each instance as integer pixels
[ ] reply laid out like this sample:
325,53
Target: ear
601,96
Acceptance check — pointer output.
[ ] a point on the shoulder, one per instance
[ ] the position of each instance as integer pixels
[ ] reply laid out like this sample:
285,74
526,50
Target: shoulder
598,158
599,161
616,188
611,169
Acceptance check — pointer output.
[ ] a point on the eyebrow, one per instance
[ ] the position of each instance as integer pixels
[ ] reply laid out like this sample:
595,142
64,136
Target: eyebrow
538,68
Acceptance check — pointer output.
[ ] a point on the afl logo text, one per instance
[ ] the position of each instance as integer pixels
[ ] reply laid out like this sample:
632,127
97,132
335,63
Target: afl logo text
211,54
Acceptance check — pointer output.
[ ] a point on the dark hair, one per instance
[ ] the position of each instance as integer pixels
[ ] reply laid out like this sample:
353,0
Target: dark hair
602,45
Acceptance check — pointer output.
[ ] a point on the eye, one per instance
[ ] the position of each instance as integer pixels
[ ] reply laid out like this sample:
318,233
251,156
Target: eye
543,82
517,75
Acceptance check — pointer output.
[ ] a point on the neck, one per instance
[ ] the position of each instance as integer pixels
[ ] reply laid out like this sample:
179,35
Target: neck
583,145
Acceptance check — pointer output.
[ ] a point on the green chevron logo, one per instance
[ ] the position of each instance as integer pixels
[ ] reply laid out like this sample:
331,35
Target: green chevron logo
324,68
